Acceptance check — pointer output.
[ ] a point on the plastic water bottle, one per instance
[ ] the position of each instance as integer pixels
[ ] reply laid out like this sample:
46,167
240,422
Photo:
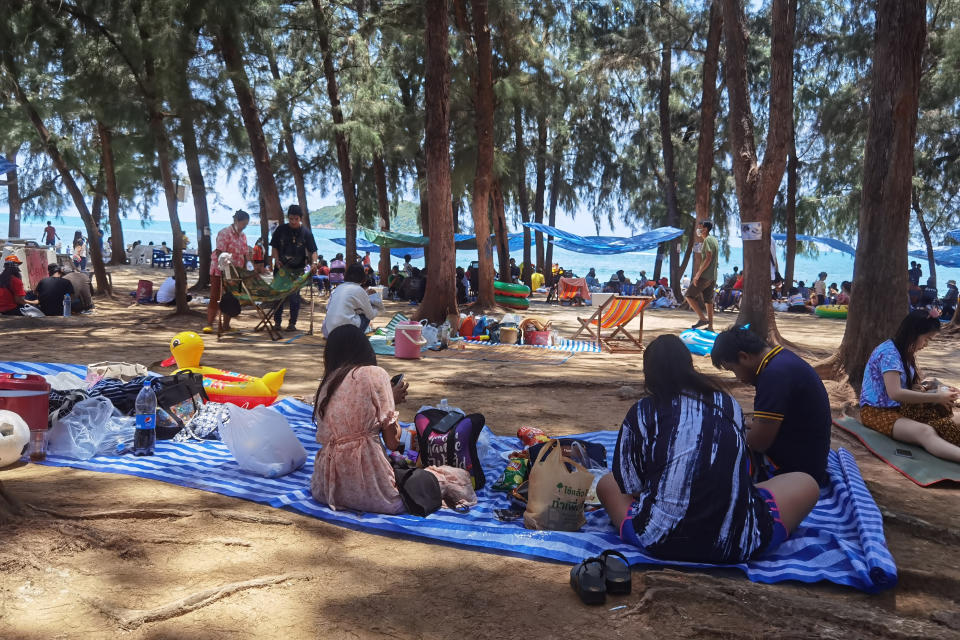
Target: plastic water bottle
145,435
67,308
443,405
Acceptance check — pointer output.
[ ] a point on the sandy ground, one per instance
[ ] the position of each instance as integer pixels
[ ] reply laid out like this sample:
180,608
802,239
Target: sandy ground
101,556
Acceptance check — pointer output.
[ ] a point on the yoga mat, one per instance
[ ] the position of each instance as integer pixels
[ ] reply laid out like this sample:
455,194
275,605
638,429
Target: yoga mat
909,459
841,541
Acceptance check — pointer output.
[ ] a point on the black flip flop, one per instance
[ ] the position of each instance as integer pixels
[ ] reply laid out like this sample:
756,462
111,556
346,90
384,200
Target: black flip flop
616,571
587,580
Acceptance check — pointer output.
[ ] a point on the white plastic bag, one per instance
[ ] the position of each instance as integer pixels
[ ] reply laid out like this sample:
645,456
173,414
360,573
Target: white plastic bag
93,427
262,442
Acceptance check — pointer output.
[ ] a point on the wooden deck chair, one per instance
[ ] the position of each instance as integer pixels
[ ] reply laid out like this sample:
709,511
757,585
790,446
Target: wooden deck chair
615,314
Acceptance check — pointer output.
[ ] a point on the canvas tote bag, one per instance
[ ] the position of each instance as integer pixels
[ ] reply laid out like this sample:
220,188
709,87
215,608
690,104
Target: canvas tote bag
556,494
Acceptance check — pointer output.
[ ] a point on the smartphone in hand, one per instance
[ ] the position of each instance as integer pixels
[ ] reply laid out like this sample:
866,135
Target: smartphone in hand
395,380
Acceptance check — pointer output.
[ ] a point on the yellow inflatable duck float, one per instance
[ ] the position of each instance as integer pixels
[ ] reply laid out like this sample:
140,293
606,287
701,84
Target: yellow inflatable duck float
223,386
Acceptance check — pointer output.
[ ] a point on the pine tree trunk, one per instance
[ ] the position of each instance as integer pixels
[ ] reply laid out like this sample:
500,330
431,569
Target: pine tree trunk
500,232
161,141
669,171
520,164
340,138
441,295
383,209
117,248
757,185
879,299
482,181
198,188
556,175
708,126
293,159
424,191
927,240
50,146
14,202
793,167
541,187
233,60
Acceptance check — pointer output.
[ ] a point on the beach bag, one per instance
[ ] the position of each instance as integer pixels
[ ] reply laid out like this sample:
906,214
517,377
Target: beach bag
179,397
556,494
144,291
450,438
262,441
419,489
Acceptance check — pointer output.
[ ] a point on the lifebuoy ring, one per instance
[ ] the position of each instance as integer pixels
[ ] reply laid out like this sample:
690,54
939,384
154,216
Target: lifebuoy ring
509,290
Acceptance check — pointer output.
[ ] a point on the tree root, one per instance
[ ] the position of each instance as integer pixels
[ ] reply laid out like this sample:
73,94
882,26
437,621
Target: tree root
9,506
921,528
131,619
247,517
824,617
115,514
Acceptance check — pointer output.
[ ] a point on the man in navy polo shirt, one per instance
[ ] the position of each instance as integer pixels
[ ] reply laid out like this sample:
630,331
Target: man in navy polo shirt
791,410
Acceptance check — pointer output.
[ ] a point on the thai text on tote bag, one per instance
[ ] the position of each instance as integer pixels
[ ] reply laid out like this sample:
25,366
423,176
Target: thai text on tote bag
556,494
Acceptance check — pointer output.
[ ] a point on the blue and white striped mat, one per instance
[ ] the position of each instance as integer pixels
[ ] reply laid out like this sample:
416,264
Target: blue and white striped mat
841,541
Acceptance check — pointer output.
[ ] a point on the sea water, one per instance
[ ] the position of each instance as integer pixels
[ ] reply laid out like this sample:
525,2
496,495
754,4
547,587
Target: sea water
838,265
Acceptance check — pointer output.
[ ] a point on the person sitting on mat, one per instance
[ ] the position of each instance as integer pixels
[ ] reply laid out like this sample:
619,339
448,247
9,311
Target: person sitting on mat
791,409
897,402
680,487
354,405
351,304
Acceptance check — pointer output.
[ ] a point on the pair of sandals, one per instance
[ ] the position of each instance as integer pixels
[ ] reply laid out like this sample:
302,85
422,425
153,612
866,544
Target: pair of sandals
595,577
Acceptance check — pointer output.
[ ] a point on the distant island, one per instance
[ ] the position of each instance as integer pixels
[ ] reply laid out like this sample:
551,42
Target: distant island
405,220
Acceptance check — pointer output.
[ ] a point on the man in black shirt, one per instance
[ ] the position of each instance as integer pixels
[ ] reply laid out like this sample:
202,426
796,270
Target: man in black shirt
293,248
791,410
50,291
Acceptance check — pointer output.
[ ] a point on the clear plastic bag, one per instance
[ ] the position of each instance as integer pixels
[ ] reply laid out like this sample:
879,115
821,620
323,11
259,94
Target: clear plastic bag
262,442
94,427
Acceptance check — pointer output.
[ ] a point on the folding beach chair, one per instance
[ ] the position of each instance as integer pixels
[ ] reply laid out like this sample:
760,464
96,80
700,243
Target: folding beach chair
390,328
252,290
615,314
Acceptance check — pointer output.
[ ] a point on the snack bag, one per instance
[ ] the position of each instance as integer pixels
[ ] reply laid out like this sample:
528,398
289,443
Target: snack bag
515,473
530,436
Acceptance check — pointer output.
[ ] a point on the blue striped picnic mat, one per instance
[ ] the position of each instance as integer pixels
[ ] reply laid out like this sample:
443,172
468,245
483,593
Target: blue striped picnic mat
841,541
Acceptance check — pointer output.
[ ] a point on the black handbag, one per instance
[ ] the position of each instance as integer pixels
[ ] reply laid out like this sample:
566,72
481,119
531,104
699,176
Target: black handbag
419,489
179,398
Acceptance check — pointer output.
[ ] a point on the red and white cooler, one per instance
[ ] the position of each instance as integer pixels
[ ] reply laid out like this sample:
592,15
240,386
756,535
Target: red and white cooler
28,395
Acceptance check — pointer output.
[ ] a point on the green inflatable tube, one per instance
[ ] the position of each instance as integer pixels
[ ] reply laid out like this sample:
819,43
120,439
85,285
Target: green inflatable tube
507,289
513,303
831,311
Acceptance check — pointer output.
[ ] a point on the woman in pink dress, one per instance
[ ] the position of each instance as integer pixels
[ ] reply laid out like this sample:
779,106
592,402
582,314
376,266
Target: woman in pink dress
354,405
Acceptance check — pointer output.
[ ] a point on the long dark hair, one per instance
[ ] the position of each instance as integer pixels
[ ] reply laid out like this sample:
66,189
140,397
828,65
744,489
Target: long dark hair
10,271
347,349
917,323
668,372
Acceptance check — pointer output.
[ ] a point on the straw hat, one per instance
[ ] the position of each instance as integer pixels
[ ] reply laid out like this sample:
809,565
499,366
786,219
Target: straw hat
951,283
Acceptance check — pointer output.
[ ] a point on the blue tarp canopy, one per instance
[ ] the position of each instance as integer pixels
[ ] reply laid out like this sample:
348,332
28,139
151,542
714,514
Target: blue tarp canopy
830,242
954,233
943,256
402,244
363,245
606,245
6,166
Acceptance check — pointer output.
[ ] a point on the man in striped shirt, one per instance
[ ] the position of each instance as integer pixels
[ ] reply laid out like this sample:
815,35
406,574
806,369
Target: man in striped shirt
791,410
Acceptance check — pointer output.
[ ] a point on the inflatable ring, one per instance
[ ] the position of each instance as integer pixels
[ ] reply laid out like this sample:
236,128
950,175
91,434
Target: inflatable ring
831,311
508,290
511,302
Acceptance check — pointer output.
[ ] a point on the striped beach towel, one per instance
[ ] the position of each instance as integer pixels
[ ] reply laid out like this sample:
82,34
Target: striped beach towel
841,541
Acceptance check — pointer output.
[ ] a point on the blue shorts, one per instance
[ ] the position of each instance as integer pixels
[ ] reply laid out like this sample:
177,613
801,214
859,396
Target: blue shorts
629,535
